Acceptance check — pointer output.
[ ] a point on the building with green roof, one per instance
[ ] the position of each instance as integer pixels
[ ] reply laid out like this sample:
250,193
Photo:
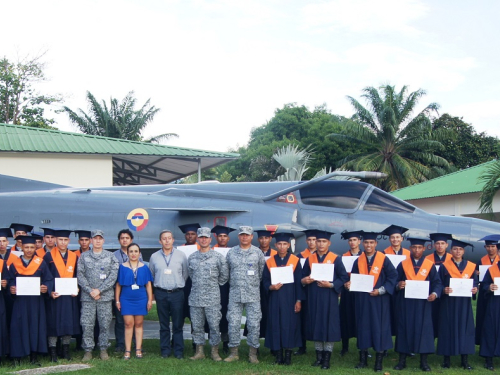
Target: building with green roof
83,160
453,194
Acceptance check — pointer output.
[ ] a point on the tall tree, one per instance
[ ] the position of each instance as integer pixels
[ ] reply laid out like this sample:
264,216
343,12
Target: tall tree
20,102
119,120
396,144
491,178
466,148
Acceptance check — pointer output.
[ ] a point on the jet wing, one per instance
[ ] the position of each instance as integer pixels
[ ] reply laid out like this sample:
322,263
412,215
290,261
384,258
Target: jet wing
197,210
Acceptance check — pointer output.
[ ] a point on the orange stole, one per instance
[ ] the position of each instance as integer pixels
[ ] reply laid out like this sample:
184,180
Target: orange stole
306,253
348,254
330,258
32,267
272,252
292,261
390,251
10,259
1,265
421,275
431,257
467,273
40,252
378,264
486,261
78,253
494,272
65,270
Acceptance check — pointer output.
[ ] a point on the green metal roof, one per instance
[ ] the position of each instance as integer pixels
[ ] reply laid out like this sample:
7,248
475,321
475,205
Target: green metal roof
15,138
461,182
134,163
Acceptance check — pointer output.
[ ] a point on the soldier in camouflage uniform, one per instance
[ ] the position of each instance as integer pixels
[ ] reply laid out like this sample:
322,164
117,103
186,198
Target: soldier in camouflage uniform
207,269
246,264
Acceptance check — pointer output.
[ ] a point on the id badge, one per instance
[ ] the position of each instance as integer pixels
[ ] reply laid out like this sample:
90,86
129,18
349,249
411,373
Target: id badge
102,276
135,286
250,272
168,271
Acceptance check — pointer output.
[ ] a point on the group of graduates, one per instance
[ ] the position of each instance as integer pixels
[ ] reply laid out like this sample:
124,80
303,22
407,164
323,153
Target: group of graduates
322,311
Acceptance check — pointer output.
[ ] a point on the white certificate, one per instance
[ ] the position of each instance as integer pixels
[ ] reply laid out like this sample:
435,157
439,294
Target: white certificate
496,282
27,286
303,261
348,262
322,271
188,249
361,283
482,271
396,259
417,289
66,286
461,287
222,250
283,275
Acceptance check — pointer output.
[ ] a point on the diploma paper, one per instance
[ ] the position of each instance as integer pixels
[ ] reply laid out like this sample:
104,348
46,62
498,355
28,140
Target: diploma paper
461,287
395,259
188,250
302,262
496,282
482,271
66,286
222,250
322,271
348,262
361,283
417,289
27,286
283,275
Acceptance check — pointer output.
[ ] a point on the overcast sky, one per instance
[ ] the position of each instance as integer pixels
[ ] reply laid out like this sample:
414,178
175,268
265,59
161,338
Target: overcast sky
219,68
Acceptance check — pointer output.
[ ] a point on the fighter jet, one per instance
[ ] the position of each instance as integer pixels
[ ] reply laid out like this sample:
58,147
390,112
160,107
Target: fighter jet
321,203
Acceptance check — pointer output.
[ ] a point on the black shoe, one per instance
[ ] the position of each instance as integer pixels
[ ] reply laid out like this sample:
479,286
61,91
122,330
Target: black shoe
179,356
278,357
53,354
344,351
34,360
465,362
401,363
65,350
288,358
165,355
424,366
325,364
363,361
225,347
319,358
489,363
446,362
300,351
119,349
379,357
385,354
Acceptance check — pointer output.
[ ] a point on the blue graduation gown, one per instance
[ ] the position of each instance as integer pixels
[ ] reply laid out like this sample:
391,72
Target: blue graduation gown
437,303
347,308
8,298
283,325
373,314
456,320
480,310
323,317
29,321
490,335
63,313
4,333
414,332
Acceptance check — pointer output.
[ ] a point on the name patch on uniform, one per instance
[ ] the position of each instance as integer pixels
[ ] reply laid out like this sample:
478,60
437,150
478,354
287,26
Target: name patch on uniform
250,272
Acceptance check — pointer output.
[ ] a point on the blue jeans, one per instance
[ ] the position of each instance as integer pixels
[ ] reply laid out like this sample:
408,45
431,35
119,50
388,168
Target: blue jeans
119,328
170,305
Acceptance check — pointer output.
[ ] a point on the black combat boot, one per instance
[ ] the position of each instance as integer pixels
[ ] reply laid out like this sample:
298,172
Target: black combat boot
446,362
288,357
65,350
319,358
424,366
53,354
345,347
379,357
325,364
465,362
401,363
34,359
489,363
279,357
363,354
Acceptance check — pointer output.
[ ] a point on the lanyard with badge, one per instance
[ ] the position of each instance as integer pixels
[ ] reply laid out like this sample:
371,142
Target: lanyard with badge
250,272
134,271
167,271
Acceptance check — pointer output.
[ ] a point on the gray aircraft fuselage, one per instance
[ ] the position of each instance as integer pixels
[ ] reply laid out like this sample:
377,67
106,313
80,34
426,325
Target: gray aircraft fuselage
335,206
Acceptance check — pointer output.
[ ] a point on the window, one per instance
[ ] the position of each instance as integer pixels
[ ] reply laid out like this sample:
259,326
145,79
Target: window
381,201
335,194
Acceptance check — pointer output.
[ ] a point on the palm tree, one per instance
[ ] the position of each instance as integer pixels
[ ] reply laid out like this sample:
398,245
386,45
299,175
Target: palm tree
491,178
294,161
398,145
120,120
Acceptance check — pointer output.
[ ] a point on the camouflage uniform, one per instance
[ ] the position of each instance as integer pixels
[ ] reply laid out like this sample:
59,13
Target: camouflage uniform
207,271
245,273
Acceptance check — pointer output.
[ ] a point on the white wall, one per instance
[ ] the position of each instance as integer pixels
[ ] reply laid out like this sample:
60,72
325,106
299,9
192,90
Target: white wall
65,169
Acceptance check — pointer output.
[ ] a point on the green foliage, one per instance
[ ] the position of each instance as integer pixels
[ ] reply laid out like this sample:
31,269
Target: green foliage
119,120
466,148
395,143
20,103
491,178
295,162
291,125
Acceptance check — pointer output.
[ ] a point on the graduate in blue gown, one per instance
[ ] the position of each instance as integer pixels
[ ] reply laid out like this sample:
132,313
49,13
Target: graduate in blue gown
284,303
490,337
63,311
456,320
414,332
373,310
323,316
4,332
29,321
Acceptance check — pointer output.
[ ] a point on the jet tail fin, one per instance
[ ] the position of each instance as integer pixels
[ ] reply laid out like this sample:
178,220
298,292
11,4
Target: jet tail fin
10,184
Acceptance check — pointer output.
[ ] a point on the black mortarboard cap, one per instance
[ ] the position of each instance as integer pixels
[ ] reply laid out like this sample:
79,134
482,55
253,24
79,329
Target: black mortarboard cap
48,231
263,233
440,237
83,233
5,232
283,237
369,235
492,239
62,233
310,233
417,241
21,227
459,243
189,227
26,239
324,234
221,229
393,229
346,235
